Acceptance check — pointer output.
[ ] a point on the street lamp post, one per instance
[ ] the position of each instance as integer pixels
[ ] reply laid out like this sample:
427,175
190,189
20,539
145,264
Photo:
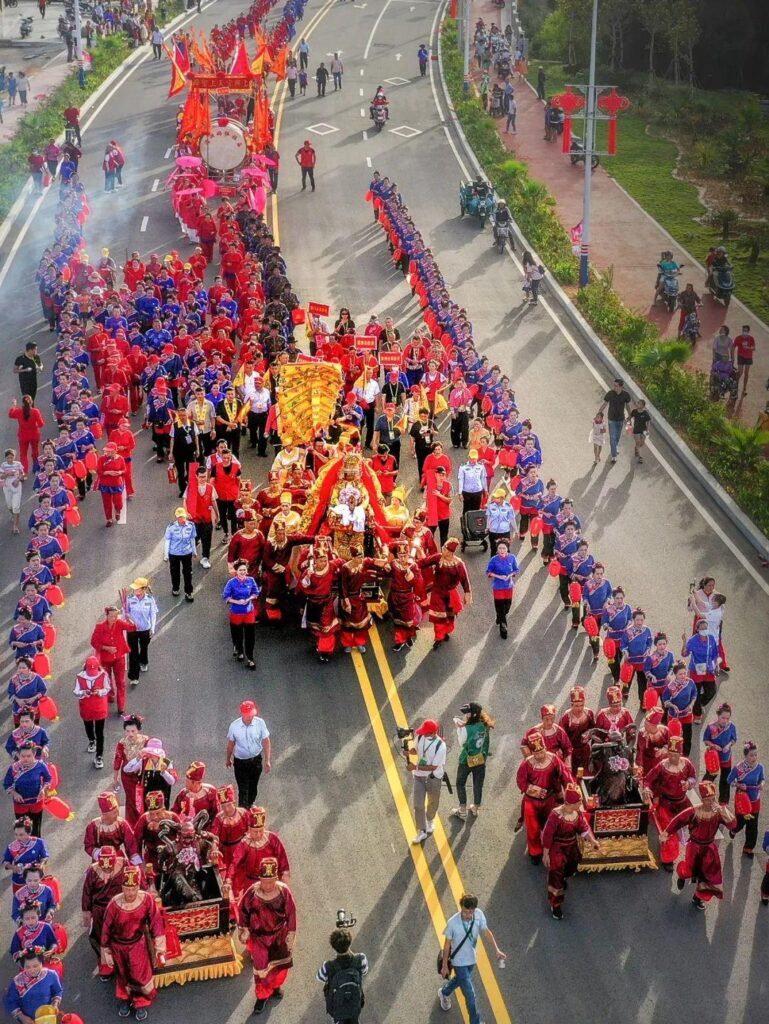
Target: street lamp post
584,252
466,47
78,32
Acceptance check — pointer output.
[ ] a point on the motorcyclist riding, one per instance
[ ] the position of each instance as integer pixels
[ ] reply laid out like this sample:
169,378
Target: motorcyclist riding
379,100
480,187
503,221
666,266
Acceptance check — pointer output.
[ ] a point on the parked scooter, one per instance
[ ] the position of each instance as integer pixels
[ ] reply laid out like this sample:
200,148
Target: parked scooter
25,28
577,153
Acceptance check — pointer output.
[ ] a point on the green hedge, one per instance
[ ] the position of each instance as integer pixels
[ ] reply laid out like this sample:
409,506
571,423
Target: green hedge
46,122
731,452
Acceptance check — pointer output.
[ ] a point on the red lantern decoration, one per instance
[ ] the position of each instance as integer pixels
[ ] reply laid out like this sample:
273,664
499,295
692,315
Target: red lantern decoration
49,710
575,593
742,805
72,516
61,568
90,461
41,664
612,104
78,468
515,501
675,728
368,196
49,636
591,626
69,482
62,939
712,762
54,595
54,885
569,102
535,528
626,672
63,540
59,808
97,430
609,647
651,700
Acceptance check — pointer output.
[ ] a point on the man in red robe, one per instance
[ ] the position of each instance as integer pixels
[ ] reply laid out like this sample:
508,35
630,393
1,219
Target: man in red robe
229,825
702,861
667,787
267,922
565,826
248,544
257,845
125,442
110,830
197,795
540,778
128,919
445,602
317,579
103,880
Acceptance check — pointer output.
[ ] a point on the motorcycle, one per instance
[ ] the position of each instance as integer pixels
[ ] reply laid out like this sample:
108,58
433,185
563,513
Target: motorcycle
477,199
503,233
25,28
721,284
577,153
379,116
691,329
669,288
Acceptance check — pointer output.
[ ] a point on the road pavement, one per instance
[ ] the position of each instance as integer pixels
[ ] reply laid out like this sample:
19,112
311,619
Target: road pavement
335,794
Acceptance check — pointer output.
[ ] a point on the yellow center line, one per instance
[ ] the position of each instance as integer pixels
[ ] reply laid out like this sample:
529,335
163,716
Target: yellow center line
485,969
395,781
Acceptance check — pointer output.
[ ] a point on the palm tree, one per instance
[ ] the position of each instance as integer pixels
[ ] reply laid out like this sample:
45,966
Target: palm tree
663,355
744,445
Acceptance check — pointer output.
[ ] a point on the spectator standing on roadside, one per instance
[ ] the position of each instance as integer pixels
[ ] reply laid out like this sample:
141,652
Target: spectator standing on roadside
342,979
541,83
119,160
744,346
305,157
617,401
11,85
36,162
157,43
304,54
249,751
461,934
292,76
22,84
109,166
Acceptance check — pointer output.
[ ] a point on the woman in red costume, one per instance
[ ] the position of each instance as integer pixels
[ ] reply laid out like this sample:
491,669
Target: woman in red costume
652,742
577,723
402,600
429,481
129,918
615,717
257,844
702,861
540,778
267,921
353,607
668,785
318,575
127,749
563,829
556,738
445,602
229,826
147,829
421,544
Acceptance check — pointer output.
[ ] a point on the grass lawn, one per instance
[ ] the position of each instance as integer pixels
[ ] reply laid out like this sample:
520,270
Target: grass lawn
644,167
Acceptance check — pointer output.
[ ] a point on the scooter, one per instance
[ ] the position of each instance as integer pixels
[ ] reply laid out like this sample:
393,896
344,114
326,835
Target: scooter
721,284
691,328
669,288
25,28
577,153
379,116
503,233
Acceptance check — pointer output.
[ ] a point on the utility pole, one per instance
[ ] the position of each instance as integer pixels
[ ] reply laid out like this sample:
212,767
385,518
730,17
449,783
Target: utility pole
78,33
584,256
466,40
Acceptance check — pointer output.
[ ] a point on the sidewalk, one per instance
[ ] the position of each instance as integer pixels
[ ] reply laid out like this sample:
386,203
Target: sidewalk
624,237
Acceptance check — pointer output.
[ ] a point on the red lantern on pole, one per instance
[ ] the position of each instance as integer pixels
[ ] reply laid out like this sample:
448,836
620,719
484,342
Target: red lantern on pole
569,102
612,104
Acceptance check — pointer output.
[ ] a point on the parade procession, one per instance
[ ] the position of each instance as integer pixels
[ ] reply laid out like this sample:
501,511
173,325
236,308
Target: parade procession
318,503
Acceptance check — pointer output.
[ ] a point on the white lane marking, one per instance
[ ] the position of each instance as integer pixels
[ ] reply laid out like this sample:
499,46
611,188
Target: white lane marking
368,164
155,184
145,222
688,494
362,112
169,151
360,91
361,72
373,30
321,128
123,517
398,56
365,135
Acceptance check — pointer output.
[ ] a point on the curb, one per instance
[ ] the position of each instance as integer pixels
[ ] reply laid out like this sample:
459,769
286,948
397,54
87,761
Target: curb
26,189
722,499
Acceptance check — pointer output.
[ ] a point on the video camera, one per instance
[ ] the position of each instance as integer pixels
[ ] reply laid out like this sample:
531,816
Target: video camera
343,921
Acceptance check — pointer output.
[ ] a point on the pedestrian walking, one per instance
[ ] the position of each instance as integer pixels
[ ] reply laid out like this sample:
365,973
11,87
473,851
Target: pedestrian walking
240,594
305,157
337,70
640,420
52,154
36,162
184,447
597,437
342,979
12,475
111,647
273,167
27,366
321,78
616,401
248,752
500,519
201,503
512,111
92,689
109,166
502,570
745,347
11,86
541,83
22,84
534,274
72,121
179,547
461,936
472,482
304,54
292,77
141,609
119,159
427,772
157,43
474,735
423,55
225,478
29,428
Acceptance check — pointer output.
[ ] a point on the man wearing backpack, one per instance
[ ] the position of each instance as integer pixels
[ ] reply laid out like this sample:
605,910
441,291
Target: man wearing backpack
342,979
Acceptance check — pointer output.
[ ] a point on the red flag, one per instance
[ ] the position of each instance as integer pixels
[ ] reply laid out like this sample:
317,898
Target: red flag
181,56
178,81
280,63
241,65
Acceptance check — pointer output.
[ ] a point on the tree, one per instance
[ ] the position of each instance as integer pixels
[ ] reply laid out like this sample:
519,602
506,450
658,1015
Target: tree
742,445
664,354
654,16
616,17
578,13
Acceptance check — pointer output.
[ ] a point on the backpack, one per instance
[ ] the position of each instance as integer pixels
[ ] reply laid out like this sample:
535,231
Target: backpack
344,990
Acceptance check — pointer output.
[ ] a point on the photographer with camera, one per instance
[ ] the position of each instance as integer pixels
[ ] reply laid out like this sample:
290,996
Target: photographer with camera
459,954
343,977
428,771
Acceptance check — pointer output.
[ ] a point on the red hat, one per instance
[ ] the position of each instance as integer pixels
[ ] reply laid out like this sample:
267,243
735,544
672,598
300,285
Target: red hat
415,389
675,728
247,706
132,877
168,348
248,516
572,794
106,856
654,716
268,868
706,789
155,800
92,665
548,709
226,794
451,544
650,699
535,741
161,384
389,405
577,694
428,728
350,397
614,693
196,771
676,744
257,816
107,802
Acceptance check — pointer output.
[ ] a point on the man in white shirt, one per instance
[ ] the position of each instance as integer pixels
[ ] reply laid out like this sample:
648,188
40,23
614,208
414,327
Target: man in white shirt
258,396
461,936
337,70
247,738
430,751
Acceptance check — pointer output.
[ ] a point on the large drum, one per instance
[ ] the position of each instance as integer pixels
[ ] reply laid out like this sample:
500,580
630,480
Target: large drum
225,149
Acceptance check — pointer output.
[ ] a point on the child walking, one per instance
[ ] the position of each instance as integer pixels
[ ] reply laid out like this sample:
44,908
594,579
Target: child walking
597,437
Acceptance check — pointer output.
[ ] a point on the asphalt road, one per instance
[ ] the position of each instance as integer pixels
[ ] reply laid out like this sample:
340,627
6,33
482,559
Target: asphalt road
630,949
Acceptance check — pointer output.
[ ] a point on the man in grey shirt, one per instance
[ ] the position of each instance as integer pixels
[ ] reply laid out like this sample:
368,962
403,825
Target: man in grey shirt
247,740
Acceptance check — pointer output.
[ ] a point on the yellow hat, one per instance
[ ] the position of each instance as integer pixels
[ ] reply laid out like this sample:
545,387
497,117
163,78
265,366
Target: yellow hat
141,582
105,252
181,513
499,493
473,453
286,496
